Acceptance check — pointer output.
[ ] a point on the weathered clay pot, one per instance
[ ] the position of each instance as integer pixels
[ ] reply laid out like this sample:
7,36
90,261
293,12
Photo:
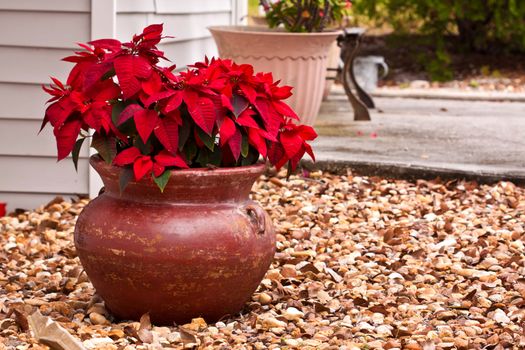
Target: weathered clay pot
200,249
297,59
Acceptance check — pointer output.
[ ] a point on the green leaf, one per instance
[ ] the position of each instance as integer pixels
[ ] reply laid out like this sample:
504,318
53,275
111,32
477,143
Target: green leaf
251,159
190,151
245,162
145,148
216,157
108,74
203,157
245,146
209,141
117,109
76,151
289,171
162,180
127,127
239,104
106,146
184,129
125,177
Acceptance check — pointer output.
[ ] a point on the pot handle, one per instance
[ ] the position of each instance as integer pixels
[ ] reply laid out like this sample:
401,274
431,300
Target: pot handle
257,214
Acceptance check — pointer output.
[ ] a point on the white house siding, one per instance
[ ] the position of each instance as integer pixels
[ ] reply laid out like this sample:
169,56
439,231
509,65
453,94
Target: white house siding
35,35
186,21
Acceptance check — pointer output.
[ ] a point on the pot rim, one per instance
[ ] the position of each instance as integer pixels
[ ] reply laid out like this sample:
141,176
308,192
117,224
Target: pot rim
260,30
97,161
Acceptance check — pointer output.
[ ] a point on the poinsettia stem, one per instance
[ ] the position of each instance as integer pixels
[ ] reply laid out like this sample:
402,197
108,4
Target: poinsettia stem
327,15
296,23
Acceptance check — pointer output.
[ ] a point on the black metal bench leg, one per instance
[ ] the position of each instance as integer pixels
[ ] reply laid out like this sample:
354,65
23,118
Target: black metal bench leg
360,108
363,95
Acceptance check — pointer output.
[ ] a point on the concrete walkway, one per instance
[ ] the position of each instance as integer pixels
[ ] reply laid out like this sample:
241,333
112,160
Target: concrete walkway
425,138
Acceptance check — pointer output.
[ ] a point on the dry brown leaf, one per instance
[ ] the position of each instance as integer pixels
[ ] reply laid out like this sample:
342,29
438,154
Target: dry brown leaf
187,337
130,331
21,320
336,277
144,332
56,200
50,333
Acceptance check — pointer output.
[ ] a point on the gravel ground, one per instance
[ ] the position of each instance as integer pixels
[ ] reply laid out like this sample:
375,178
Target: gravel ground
362,263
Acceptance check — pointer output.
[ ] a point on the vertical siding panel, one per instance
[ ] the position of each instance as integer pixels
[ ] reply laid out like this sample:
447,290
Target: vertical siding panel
42,175
188,52
239,12
18,137
135,6
46,5
193,6
103,25
103,18
26,101
73,28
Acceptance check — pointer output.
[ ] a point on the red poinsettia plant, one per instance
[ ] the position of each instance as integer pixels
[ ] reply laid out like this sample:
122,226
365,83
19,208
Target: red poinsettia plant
149,119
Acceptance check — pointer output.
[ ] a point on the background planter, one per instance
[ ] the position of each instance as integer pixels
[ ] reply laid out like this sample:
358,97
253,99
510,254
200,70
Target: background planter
297,59
200,248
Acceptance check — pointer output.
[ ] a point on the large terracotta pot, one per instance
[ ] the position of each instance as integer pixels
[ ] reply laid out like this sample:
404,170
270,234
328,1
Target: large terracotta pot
200,249
297,59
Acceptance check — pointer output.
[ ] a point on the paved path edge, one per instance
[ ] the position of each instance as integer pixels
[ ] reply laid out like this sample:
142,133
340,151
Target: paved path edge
446,94
410,172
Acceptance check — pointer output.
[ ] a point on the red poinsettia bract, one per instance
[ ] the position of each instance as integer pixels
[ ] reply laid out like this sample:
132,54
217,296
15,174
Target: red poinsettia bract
148,119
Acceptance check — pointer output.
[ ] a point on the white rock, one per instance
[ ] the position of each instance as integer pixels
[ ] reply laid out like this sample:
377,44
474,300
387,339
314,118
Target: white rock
293,314
174,337
350,258
384,330
292,342
447,242
481,273
497,298
9,246
395,275
365,326
378,318
95,342
500,316
272,322
309,209
213,330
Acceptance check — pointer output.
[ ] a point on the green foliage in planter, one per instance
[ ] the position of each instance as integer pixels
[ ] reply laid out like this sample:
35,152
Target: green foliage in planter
305,15
481,25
